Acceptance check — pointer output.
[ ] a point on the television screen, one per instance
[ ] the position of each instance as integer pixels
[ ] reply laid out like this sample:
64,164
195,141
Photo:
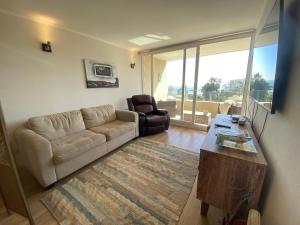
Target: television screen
265,59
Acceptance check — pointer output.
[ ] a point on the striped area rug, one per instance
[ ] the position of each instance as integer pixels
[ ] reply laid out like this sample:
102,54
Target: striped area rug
144,182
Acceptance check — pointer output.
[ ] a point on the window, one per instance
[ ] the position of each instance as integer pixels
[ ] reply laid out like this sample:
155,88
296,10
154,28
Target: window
221,76
167,81
199,80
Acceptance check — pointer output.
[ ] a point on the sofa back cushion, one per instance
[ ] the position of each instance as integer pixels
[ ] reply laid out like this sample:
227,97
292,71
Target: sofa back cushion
96,116
57,125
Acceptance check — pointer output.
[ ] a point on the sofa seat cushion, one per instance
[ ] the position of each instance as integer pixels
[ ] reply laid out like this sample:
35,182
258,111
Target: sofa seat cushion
73,145
156,120
114,129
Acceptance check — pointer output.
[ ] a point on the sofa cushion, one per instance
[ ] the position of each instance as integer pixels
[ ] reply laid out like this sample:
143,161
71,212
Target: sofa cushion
57,125
96,116
75,144
114,129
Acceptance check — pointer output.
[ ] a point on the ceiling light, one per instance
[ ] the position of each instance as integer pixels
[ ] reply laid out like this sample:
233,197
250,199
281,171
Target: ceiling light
160,37
149,39
142,40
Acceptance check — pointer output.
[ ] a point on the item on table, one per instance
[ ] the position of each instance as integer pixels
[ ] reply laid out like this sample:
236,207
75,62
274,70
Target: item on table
222,125
235,118
234,135
242,121
235,139
248,146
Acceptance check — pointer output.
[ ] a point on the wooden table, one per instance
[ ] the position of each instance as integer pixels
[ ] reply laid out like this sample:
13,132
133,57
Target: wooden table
226,175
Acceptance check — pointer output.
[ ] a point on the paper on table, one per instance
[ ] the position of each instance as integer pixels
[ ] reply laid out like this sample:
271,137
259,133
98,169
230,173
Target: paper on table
246,146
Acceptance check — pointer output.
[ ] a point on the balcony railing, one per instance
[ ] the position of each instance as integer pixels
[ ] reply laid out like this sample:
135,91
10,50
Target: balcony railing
213,107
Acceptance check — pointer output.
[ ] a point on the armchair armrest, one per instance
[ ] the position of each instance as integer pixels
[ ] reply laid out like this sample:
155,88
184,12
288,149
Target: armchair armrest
141,114
37,155
162,111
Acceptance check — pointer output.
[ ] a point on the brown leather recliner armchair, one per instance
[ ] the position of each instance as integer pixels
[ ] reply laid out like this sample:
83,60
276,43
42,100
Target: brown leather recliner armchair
151,119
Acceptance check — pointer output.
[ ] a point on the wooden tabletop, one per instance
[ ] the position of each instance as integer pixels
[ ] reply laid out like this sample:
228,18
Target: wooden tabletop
210,145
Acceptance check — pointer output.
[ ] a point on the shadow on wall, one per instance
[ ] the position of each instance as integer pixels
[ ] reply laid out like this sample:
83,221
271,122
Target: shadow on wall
289,42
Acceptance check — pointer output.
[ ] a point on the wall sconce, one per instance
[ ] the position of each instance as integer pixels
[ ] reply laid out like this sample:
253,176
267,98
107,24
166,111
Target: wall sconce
46,47
132,65
132,54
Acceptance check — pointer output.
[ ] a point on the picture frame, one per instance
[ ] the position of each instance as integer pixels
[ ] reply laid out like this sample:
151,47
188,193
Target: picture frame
100,75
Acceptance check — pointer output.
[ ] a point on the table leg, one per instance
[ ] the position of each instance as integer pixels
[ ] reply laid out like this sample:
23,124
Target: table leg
204,208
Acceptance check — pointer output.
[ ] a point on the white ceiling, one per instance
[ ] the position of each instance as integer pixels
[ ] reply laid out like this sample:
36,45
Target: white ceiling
118,21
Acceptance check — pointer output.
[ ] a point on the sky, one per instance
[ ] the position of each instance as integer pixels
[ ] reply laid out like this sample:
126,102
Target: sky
226,66
264,61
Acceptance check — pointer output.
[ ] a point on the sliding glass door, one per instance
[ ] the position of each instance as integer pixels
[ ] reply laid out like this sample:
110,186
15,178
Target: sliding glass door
167,81
195,83
221,77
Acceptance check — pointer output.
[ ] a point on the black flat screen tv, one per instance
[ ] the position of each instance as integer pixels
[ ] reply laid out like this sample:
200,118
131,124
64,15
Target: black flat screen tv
272,57
265,59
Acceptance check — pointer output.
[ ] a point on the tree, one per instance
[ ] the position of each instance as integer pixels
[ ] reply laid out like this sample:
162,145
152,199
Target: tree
233,90
234,86
211,88
259,87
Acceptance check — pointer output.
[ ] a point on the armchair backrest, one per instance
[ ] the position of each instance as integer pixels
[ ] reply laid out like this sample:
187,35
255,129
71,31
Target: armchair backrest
130,104
142,103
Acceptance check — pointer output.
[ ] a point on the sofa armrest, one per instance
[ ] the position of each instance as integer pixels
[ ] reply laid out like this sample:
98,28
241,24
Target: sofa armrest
37,155
128,116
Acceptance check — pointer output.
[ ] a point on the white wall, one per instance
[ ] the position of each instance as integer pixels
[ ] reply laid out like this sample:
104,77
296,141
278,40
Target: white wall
281,144
33,82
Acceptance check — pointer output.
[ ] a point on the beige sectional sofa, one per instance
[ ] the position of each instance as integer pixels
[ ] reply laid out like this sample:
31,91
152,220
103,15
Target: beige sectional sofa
55,146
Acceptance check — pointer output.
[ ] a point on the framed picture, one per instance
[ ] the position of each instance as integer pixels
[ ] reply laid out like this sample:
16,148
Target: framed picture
100,75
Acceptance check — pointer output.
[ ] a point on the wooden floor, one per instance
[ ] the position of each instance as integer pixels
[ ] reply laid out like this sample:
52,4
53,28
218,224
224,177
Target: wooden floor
14,219
11,218
178,136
